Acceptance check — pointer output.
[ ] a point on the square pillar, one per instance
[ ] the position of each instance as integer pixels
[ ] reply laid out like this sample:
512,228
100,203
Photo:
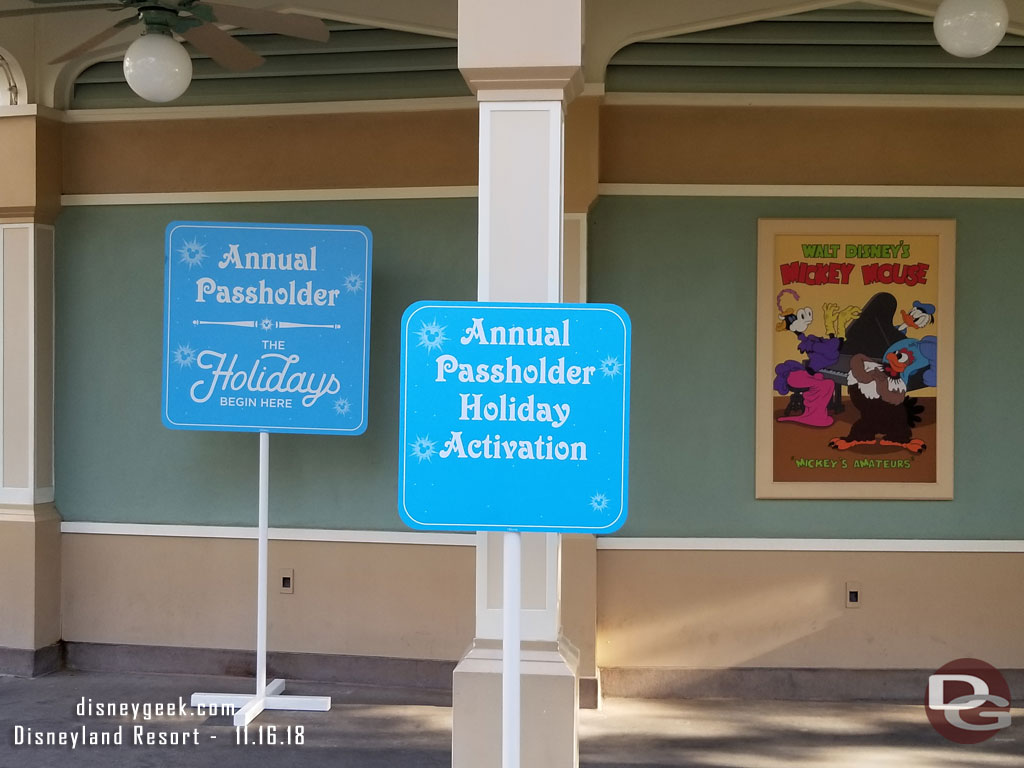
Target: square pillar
29,524
523,62
30,154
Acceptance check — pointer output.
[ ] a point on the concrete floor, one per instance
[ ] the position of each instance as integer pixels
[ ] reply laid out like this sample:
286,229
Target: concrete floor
371,728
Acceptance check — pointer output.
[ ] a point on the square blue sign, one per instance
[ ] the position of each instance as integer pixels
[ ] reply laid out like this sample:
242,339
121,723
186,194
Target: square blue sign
514,417
266,327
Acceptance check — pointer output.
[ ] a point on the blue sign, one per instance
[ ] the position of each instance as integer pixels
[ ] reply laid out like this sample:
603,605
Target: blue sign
514,417
266,327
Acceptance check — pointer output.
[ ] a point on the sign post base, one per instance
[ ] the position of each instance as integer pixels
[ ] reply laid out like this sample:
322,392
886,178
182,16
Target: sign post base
249,706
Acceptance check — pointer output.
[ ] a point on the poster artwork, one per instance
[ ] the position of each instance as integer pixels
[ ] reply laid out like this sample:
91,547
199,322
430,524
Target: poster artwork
855,358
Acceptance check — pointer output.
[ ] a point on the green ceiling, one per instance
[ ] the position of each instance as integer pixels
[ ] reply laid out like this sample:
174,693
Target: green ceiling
849,50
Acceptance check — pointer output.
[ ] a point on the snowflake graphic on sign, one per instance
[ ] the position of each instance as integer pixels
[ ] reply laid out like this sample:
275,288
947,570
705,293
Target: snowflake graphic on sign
423,448
184,356
353,283
611,366
192,253
432,336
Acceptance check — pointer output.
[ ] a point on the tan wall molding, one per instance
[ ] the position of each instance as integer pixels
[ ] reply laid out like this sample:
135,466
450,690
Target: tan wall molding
812,145
34,514
336,151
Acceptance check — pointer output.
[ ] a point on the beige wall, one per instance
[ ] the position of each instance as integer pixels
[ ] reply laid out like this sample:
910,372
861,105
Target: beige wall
700,609
17,595
29,577
398,149
47,576
18,161
30,168
393,600
810,145
667,609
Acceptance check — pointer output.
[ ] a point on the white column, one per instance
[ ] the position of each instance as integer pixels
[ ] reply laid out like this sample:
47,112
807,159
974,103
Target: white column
26,364
520,259
523,62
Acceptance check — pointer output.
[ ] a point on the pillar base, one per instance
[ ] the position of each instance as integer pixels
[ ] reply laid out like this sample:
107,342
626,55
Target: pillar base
550,698
29,588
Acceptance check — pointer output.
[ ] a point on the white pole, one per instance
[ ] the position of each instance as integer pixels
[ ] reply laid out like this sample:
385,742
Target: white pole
510,651
261,567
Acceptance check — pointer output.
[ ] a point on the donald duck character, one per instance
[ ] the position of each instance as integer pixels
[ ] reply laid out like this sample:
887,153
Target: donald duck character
919,316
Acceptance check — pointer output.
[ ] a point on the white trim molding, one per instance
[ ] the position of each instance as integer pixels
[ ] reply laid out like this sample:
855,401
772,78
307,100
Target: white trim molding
433,538
808,190
270,196
276,534
841,100
25,496
265,110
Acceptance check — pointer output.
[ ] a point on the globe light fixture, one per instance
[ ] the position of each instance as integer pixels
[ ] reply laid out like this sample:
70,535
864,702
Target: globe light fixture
970,28
157,67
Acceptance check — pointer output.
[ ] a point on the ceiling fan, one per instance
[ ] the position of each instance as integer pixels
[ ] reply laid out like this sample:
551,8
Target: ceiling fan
156,54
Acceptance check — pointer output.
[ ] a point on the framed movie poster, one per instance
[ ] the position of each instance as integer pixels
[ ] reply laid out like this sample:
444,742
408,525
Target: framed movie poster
855,323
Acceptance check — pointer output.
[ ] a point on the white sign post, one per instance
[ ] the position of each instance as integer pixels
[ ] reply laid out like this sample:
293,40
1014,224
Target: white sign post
248,707
511,650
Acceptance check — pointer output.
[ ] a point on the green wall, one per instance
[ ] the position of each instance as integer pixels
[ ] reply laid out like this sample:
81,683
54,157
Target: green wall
114,459
684,268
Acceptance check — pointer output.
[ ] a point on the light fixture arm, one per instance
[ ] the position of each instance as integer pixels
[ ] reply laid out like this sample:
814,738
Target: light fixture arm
12,85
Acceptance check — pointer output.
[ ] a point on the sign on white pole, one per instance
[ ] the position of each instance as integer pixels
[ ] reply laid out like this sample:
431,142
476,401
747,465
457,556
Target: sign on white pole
514,417
266,329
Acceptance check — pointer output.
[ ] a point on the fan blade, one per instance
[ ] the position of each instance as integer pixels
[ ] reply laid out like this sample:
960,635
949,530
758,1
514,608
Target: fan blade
290,24
222,47
95,40
102,6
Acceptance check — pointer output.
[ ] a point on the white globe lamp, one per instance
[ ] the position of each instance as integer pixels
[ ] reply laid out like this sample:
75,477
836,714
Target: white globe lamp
970,28
157,67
